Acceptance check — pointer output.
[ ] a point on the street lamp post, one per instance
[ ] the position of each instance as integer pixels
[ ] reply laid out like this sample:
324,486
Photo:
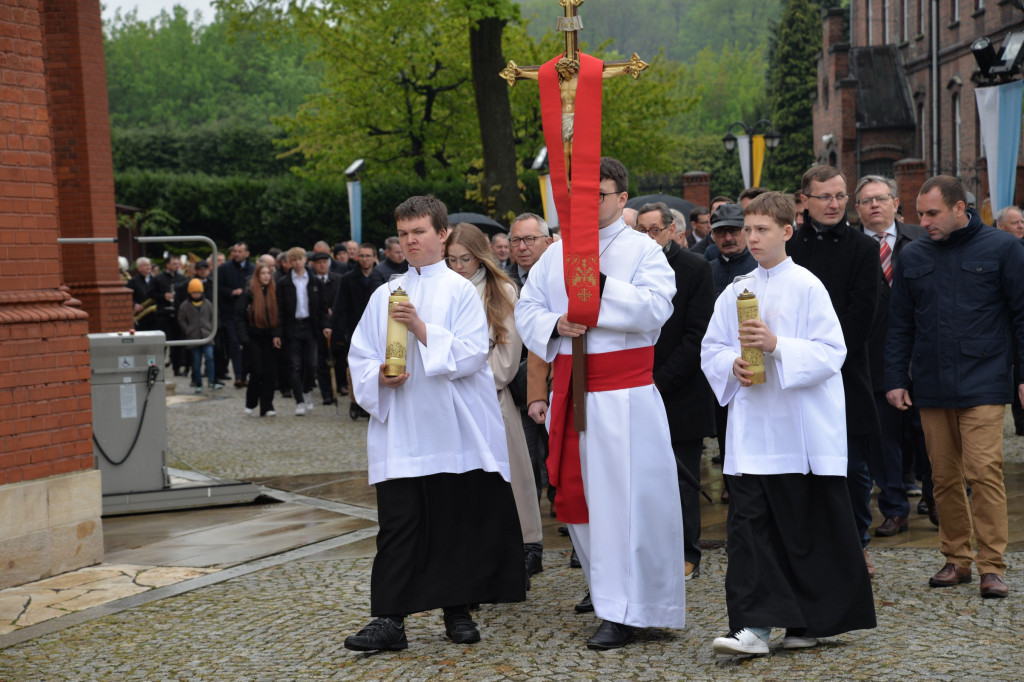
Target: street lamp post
751,146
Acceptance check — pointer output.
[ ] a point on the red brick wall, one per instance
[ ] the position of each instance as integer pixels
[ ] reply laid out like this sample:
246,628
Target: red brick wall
956,64
45,403
45,410
84,172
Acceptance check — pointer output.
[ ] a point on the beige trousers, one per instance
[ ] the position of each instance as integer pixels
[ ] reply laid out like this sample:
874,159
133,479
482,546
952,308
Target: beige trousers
968,444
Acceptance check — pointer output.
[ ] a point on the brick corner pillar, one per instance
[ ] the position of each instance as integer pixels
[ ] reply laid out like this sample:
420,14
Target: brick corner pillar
84,171
50,493
910,175
697,188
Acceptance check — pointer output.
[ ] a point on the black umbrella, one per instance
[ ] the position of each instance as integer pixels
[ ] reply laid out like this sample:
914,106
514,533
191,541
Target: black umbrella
681,205
489,227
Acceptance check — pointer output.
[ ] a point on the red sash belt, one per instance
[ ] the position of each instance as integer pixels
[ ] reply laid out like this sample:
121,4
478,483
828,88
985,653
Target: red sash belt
605,372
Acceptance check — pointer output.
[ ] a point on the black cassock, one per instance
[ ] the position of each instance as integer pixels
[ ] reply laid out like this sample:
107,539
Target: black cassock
446,540
795,560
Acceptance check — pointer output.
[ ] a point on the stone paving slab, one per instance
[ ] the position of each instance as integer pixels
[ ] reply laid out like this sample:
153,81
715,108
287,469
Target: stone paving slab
79,590
288,622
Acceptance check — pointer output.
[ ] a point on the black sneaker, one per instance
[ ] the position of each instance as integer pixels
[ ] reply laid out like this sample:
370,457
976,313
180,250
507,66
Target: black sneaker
460,628
380,634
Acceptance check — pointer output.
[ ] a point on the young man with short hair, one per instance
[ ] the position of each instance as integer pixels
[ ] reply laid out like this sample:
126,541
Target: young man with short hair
794,556
449,531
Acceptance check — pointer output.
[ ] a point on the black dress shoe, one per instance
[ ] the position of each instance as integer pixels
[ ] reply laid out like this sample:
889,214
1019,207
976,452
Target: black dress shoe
922,506
460,628
574,560
382,634
611,636
563,531
534,562
585,606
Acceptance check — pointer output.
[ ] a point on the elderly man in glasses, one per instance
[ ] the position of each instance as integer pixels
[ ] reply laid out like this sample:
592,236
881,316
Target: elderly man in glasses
847,263
877,202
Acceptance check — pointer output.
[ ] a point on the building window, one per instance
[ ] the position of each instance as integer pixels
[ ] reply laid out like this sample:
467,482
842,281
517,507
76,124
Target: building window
922,7
956,134
979,5
905,22
956,11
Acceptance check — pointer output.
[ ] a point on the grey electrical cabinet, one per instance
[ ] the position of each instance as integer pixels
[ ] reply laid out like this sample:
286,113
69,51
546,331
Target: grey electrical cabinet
129,411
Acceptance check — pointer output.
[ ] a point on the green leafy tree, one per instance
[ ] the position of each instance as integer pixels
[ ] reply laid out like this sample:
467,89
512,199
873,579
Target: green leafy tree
175,72
792,82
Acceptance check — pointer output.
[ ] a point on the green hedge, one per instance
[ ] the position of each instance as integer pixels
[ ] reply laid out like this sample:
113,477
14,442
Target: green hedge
284,210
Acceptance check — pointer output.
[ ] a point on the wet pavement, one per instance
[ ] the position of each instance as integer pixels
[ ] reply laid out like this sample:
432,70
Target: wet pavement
270,590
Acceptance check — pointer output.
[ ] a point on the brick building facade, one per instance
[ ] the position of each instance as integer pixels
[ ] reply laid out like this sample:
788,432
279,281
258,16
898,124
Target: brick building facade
906,58
56,180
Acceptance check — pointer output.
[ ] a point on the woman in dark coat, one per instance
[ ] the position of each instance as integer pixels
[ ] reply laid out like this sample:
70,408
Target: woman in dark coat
256,325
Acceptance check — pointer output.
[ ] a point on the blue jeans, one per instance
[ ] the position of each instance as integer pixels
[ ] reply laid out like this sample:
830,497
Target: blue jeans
198,353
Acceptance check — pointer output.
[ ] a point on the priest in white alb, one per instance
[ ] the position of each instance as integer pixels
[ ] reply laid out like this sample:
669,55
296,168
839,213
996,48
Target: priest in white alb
449,531
617,490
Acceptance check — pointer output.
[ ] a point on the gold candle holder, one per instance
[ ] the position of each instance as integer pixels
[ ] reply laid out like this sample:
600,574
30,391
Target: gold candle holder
397,338
747,309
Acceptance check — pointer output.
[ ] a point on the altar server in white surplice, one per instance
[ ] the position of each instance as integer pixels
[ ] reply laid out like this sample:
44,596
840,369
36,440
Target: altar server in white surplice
449,533
794,556
617,490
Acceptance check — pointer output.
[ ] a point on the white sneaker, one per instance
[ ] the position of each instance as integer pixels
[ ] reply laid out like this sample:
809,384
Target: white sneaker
250,412
270,413
740,642
300,410
307,399
795,642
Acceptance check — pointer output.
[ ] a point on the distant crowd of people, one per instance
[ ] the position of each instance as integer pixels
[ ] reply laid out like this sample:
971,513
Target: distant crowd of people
887,355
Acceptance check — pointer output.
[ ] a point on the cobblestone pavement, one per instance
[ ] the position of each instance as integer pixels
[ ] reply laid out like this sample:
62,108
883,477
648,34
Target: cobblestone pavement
288,622
216,437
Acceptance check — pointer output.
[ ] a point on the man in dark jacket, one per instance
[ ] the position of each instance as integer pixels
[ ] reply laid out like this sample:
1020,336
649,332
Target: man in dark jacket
846,262
321,263
232,276
354,291
143,285
394,263
677,374
877,200
956,309
302,308
165,285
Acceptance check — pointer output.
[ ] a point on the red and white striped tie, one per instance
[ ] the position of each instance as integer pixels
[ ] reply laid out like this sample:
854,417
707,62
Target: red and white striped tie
885,253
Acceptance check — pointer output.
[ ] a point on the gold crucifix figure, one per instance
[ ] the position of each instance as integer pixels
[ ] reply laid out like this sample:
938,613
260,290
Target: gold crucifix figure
568,68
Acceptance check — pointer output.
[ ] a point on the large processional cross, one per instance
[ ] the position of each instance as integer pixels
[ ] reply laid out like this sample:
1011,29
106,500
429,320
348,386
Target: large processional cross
570,99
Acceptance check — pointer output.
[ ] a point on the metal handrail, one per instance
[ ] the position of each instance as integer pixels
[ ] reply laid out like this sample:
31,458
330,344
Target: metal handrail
172,238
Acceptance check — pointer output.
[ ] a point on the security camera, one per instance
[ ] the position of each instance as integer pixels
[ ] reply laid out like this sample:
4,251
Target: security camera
357,166
541,159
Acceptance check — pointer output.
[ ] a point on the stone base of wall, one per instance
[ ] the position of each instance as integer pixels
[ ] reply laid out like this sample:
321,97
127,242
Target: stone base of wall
50,526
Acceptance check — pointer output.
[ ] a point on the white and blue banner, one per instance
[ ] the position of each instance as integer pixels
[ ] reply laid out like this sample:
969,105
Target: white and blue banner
1000,108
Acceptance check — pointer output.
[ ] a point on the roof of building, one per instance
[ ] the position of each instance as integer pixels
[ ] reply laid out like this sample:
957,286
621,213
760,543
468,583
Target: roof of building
883,93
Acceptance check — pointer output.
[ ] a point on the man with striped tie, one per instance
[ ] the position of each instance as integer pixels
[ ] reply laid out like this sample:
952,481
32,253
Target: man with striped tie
877,201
